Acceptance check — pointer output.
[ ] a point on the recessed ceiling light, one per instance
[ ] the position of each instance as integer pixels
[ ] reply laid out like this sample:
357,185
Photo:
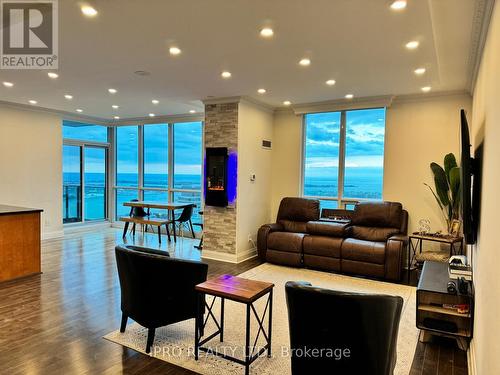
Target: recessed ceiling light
116,117
426,89
8,84
412,45
88,11
53,75
330,82
349,96
261,91
419,71
287,102
305,62
154,101
114,106
69,97
151,115
112,91
226,74
267,32
79,110
398,5
174,51
192,111
32,102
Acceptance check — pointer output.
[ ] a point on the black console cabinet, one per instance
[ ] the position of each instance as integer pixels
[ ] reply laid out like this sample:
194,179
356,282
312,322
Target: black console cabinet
435,312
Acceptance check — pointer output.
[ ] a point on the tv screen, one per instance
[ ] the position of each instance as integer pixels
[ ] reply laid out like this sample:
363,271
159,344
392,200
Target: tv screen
466,172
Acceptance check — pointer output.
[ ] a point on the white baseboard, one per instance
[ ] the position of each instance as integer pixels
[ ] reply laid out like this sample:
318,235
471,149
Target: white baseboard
52,235
471,359
229,258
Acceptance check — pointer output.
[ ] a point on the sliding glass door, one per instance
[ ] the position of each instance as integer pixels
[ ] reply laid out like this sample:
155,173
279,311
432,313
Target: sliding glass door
94,167
72,184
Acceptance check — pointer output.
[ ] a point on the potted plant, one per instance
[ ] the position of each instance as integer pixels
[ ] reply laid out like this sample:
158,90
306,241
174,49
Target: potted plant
447,190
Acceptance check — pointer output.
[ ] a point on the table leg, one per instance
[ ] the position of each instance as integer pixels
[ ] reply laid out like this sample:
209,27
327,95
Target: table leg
270,326
410,245
247,342
197,327
125,229
222,319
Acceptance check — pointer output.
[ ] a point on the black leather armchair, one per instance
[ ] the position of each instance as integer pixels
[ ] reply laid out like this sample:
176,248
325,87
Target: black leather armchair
334,332
156,290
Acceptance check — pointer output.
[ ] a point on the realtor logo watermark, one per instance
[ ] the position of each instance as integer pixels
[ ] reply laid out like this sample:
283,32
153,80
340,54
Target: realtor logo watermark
29,34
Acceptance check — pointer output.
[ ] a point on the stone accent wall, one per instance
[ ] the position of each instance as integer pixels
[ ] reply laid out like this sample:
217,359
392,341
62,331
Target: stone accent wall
221,130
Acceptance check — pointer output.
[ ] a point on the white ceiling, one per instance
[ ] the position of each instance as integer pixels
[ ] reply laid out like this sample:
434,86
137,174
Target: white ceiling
359,43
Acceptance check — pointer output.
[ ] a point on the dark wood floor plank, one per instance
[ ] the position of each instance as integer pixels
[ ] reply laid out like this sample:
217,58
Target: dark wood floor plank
54,323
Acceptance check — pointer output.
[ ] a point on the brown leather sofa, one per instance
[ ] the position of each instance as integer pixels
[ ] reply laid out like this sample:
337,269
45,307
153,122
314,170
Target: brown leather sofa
371,244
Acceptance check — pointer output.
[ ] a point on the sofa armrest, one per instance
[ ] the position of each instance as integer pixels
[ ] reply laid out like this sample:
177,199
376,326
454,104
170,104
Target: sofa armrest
394,249
262,235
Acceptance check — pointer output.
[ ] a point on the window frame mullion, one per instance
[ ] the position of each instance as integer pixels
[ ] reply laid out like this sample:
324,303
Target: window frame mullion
342,149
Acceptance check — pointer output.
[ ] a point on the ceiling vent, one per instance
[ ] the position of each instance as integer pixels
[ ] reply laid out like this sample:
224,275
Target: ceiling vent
266,144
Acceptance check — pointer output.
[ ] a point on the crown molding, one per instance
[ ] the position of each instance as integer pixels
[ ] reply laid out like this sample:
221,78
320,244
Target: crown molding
63,114
158,119
257,104
222,100
344,104
422,97
483,10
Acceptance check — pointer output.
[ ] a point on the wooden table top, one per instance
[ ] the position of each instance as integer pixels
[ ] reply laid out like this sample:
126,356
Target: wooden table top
235,288
164,206
8,210
444,239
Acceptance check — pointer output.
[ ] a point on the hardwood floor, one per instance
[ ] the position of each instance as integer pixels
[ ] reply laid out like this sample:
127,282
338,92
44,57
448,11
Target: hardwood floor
54,323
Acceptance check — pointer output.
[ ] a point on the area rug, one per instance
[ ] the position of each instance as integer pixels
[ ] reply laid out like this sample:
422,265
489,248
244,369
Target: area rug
175,343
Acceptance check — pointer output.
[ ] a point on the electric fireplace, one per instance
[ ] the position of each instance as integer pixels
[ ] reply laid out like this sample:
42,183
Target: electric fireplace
216,176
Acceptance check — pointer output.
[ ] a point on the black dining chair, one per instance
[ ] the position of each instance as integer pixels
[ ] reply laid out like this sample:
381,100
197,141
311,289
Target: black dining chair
183,220
137,212
354,333
157,290
200,244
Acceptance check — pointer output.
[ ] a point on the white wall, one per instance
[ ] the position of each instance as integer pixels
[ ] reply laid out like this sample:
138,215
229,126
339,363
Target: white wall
486,128
31,164
254,198
417,133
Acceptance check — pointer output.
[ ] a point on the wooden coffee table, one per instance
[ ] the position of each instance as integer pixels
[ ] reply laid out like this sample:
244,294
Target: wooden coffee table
240,290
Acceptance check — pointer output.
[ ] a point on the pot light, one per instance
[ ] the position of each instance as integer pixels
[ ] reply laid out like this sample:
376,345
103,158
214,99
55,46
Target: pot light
114,106
267,32
112,91
192,111
305,62
226,74
330,82
419,71
349,96
116,117
32,102
261,91
8,84
53,75
154,101
287,102
79,110
426,89
151,115
88,11
174,51
412,44
398,5
69,97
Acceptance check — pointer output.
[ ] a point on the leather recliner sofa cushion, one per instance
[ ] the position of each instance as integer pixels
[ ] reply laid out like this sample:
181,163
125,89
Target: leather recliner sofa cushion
378,214
324,228
283,241
372,233
321,245
298,209
363,251
294,226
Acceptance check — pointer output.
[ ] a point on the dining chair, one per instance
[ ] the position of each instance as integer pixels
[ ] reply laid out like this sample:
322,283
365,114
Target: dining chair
184,220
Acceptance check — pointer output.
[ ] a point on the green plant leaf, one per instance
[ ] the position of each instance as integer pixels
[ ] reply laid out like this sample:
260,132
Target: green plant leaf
455,188
441,182
450,162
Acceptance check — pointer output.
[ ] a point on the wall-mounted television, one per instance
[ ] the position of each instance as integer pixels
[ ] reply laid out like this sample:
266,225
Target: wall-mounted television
469,187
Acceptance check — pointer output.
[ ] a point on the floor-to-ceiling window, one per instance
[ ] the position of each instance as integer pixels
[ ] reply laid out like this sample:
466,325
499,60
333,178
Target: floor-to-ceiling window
85,172
159,163
344,156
